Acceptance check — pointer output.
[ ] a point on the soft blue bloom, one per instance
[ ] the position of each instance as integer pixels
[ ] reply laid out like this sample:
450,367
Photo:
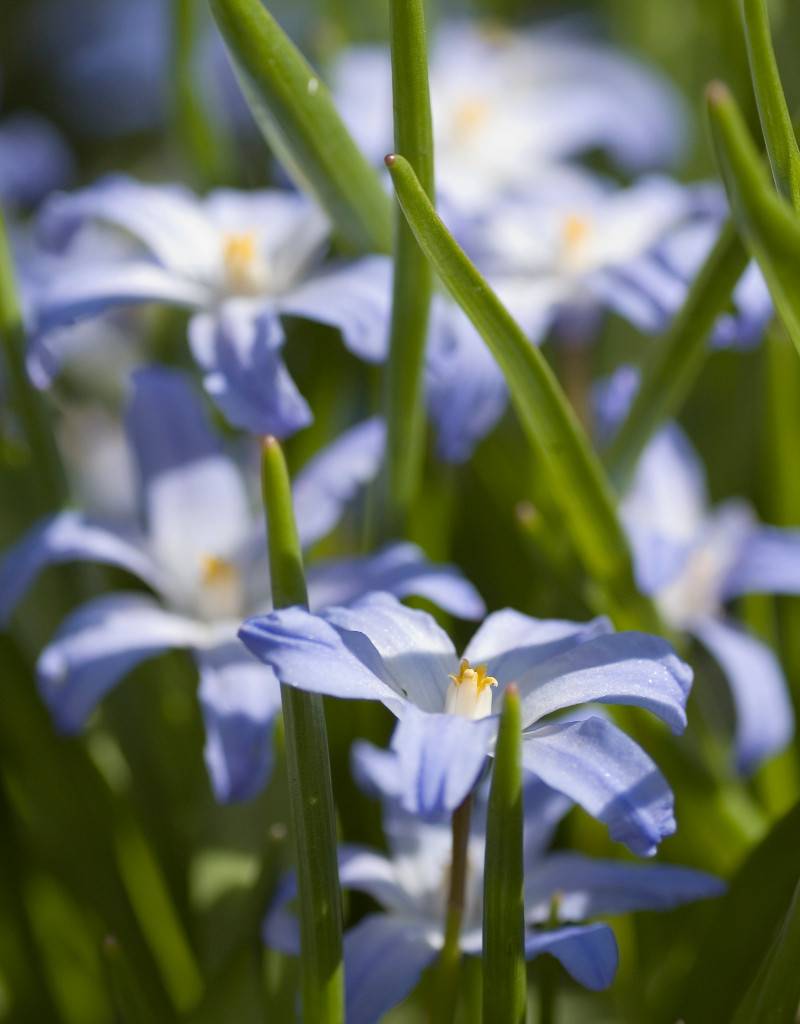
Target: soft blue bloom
508,105
692,560
34,160
377,649
239,261
562,258
386,952
200,547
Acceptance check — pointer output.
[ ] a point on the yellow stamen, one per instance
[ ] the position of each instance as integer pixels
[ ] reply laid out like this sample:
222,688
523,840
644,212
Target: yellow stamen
470,116
476,676
218,571
575,231
242,261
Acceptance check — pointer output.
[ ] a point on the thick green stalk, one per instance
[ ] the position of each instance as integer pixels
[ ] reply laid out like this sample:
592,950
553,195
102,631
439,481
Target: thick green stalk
773,110
445,994
573,472
297,116
27,402
767,223
413,277
504,990
308,767
675,360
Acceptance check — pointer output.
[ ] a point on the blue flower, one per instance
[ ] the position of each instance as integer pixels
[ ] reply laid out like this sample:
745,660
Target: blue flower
693,560
34,160
377,649
201,548
238,261
508,106
386,952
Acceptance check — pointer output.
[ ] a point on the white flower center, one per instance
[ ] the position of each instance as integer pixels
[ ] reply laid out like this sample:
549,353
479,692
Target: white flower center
576,232
469,693
219,595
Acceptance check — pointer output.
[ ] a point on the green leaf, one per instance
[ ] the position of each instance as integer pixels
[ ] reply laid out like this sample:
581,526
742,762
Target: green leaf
766,222
573,472
296,114
675,360
413,278
776,122
775,994
504,988
731,950
308,767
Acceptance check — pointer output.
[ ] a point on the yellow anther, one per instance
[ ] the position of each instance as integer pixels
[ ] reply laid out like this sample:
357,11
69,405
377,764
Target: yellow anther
473,676
217,571
243,265
575,231
470,116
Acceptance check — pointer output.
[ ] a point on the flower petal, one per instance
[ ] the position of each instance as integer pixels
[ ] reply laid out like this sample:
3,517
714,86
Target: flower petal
332,478
400,569
513,643
239,351
69,537
240,700
306,651
167,219
383,960
768,563
195,502
433,763
587,952
98,645
34,159
585,887
355,299
544,808
598,766
620,668
764,715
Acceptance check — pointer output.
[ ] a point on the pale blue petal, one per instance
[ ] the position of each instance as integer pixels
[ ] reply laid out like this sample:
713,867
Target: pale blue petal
69,537
585,887
98,645
239,351
34,159
544,808
466,391
383,959
768,563
436,761
240,699
587,952
619,668
599,767
195,502
333,477
305,651
355,299
764,715
416,655
612,397
512,642
167,219
400,569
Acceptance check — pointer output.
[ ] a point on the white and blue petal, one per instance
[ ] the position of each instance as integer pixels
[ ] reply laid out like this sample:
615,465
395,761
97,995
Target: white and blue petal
582,887
587,952
768,563
238,348
608,774
70,537
240,699
401,569
333,477
764,714
98,645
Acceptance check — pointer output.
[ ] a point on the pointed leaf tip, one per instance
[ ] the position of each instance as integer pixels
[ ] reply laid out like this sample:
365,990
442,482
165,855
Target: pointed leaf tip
717,93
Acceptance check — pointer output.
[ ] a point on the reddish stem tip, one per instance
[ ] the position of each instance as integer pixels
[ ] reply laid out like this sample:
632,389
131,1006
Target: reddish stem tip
717,93
390,159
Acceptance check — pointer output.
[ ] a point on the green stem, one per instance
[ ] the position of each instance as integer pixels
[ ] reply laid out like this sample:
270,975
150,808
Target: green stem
445,996
413,277
308,767
504,990
29,406
201,145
